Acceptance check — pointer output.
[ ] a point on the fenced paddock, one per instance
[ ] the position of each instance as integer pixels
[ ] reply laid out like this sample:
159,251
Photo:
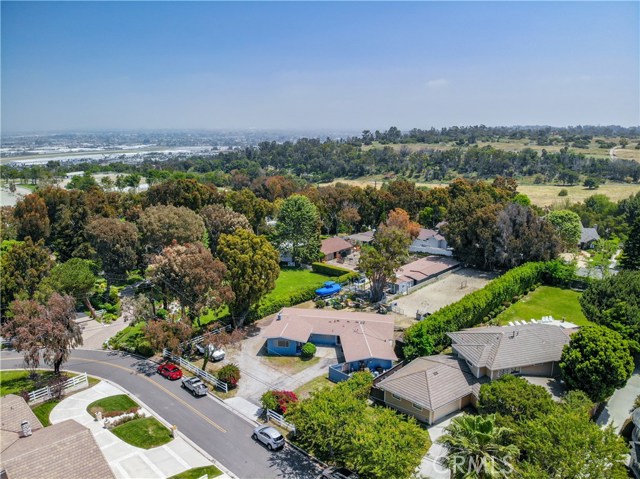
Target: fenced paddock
445,290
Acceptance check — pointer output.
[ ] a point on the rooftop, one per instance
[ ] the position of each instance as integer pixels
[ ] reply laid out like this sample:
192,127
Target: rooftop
502,347
364,237
334,245
362,335
423,268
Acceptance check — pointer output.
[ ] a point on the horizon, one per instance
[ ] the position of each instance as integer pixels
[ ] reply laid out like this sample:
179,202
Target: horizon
353,66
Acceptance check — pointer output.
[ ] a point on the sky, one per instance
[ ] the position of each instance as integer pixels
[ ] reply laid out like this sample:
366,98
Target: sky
324,65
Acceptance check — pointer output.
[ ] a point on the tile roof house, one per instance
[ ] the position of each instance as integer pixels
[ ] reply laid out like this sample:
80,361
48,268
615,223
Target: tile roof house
365,237
332,247
419,271
432,387
432,242
63,450
531,349
366,340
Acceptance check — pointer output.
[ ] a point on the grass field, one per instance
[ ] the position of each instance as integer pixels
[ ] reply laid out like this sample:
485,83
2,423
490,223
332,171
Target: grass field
120,402
545,301
43,410
199,472
144,432
12,382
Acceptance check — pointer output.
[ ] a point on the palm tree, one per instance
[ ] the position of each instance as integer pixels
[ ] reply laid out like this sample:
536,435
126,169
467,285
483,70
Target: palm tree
476,448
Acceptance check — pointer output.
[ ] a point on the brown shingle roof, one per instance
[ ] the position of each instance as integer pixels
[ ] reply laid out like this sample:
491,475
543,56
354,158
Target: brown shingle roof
364,237
14,410
510,346
425,234
334,245
64,450
432,381
362,335
424,267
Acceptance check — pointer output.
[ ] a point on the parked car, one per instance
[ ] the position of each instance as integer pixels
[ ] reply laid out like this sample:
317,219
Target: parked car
195,386
269,436
170,371
215,353
338,473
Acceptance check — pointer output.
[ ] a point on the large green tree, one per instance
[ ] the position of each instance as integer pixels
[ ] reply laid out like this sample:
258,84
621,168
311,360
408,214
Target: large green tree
568,225
515,397
23,267
190,274
116,245
161,225
74,278
596,361
185,192
298,230
220,219
615,302
477,448
631,251
252,270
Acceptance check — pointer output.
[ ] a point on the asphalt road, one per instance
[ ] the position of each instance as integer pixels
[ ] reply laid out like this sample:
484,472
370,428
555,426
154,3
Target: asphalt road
205,421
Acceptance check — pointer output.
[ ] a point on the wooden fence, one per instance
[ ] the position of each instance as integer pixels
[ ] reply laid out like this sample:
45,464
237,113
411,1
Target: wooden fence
205,376
46,393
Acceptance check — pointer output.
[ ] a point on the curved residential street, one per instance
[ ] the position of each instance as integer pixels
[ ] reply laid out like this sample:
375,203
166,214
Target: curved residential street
206,421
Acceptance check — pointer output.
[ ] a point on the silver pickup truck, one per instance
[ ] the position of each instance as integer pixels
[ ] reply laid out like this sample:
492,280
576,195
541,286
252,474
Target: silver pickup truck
195,386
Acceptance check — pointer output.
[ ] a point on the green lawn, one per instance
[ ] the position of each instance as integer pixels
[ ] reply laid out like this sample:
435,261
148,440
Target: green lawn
292,280
120,402
316,384
144,432
43,410
546,301
198,472
12,382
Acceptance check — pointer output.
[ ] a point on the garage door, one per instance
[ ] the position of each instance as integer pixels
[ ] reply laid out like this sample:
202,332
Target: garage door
446,409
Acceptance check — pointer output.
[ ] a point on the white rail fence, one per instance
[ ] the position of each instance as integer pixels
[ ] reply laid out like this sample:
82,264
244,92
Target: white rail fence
43,394
279,419
199,339
205,376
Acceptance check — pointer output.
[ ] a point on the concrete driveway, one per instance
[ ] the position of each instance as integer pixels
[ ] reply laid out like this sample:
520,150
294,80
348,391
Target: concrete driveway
620,405
432,465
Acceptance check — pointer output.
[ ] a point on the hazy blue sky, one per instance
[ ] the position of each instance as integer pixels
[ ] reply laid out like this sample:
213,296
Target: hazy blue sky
318,65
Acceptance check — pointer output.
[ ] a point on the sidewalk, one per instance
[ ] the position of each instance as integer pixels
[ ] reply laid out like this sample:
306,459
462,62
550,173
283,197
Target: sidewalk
127,461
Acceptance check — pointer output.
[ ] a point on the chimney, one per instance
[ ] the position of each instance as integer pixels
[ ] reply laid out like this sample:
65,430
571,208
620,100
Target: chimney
26,428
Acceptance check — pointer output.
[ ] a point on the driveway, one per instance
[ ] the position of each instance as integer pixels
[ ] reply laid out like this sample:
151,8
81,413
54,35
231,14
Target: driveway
431,466
260,375
619,407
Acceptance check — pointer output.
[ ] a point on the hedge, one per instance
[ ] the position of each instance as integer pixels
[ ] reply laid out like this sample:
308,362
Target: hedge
481,305
343,274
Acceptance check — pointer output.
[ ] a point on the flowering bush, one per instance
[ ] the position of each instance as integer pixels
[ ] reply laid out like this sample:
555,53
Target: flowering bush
278,401
229,374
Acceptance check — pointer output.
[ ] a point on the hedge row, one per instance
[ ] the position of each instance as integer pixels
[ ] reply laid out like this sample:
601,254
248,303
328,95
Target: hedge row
343,274
423,338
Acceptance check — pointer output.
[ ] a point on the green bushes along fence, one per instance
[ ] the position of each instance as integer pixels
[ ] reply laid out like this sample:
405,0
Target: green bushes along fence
482,305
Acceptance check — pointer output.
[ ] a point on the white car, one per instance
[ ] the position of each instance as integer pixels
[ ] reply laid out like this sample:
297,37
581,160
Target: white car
215,353
268,436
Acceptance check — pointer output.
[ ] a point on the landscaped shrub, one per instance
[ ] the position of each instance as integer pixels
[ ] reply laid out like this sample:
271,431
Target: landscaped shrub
308,350
162,313
278,401
471,309
144,349
330,270
229,374
320,303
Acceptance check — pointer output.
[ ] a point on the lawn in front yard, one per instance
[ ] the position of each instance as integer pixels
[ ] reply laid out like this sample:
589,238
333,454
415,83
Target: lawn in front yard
196,473
145,432
546,301
292,280
120,402
12,382
43,410
315,384
290,364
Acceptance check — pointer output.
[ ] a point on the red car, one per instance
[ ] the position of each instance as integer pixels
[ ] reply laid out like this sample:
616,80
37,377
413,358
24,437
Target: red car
170,371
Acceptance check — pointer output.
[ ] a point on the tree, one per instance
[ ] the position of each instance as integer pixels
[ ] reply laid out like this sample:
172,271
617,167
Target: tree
591,183
168,334
116,245
476,448
399,218
567,444
514,397
50,328
615,302
31,217
220,219
74,278
186,192
219,339
630,259
189,274
255,209
568,225
8,223
161,225
138,309
23,266
596,361
252,270
298,230
82,182
380,261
